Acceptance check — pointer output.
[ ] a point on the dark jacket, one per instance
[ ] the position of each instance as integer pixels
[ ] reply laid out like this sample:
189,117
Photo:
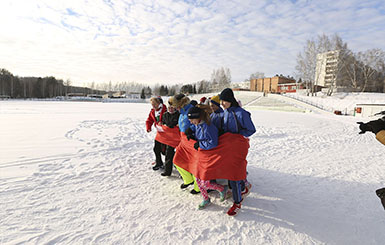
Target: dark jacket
238,121
170,120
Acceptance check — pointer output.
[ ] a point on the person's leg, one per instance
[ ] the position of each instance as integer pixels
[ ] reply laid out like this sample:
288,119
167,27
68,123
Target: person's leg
196,187
158,157
242,185
236,190
170,152
202,184
186,176
214,186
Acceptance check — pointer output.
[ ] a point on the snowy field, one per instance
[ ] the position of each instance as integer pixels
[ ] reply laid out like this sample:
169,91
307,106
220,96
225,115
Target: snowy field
344,102
80,173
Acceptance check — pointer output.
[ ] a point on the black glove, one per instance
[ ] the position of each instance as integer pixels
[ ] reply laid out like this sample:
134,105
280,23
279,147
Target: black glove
363,127
189,133
196,145
376,125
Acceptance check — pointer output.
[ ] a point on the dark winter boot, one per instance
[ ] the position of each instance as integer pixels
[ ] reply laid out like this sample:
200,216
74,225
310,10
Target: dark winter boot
157,167
168,162
184,186
381,194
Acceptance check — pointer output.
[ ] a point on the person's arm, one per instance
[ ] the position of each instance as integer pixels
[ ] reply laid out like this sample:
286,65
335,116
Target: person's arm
376,126
247,124
210,137
149,122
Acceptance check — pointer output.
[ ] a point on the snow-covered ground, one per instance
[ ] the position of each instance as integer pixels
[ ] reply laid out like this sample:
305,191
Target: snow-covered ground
80,173
344,102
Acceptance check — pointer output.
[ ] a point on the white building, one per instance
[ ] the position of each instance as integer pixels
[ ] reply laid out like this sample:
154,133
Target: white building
326,69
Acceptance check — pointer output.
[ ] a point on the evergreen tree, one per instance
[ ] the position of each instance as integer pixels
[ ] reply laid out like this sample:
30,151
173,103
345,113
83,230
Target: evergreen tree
142,95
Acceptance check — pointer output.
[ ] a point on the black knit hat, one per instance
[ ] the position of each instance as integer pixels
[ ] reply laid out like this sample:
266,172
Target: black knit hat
227,95
194,113
194,102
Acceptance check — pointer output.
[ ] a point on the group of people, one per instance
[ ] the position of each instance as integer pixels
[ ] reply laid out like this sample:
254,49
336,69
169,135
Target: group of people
207,142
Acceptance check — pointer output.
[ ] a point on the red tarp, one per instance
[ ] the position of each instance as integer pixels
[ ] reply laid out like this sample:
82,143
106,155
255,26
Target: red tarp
169,136
226,161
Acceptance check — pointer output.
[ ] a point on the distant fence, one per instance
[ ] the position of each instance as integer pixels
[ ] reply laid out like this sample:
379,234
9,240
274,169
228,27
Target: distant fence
340,111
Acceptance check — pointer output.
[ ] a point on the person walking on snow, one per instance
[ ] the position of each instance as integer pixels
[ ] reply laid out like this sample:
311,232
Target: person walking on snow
155,116
170,119
206,135
182,104
237,121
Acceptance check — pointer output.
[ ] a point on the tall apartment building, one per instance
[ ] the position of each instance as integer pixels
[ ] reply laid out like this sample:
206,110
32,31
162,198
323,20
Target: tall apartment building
326,69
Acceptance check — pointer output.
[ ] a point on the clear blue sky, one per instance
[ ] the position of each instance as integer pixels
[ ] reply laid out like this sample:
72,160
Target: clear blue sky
162,41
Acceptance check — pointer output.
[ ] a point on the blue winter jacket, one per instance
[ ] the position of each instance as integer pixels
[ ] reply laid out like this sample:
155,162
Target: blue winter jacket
183,121
238,121
206,135
216,117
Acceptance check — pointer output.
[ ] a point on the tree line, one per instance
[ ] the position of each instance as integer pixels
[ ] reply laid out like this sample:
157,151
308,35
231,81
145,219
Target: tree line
38,87
50,87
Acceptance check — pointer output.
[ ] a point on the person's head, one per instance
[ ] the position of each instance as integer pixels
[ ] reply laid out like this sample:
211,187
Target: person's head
215,102
170,108
179,101
227,98
194,102
197,114
155,102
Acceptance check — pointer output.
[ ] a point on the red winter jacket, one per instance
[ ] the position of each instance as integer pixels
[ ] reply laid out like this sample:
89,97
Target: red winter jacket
151,117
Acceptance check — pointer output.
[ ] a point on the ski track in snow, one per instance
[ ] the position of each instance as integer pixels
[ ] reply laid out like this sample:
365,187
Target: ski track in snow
309,187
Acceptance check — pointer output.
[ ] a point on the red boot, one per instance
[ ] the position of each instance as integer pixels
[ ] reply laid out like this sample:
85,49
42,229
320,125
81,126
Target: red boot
233,211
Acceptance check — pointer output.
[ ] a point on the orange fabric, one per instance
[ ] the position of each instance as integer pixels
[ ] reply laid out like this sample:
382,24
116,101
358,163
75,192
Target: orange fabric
170,136
226,161
185,154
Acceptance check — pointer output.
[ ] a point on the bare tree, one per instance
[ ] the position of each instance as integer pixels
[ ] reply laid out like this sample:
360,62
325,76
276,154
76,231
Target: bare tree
256,75
372,66
307,60
220,78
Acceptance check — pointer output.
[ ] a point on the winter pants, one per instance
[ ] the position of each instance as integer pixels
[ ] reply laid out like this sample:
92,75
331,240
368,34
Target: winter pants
187,177
170,151
158,153
205,185
236,188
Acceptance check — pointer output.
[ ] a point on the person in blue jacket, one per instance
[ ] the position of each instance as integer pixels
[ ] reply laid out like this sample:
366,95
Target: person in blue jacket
206,135
182,104
238,121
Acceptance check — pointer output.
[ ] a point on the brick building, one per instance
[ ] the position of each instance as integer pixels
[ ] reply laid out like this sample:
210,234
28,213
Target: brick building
269,84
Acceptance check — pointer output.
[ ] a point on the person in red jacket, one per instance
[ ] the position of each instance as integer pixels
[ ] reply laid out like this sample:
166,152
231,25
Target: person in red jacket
155,116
